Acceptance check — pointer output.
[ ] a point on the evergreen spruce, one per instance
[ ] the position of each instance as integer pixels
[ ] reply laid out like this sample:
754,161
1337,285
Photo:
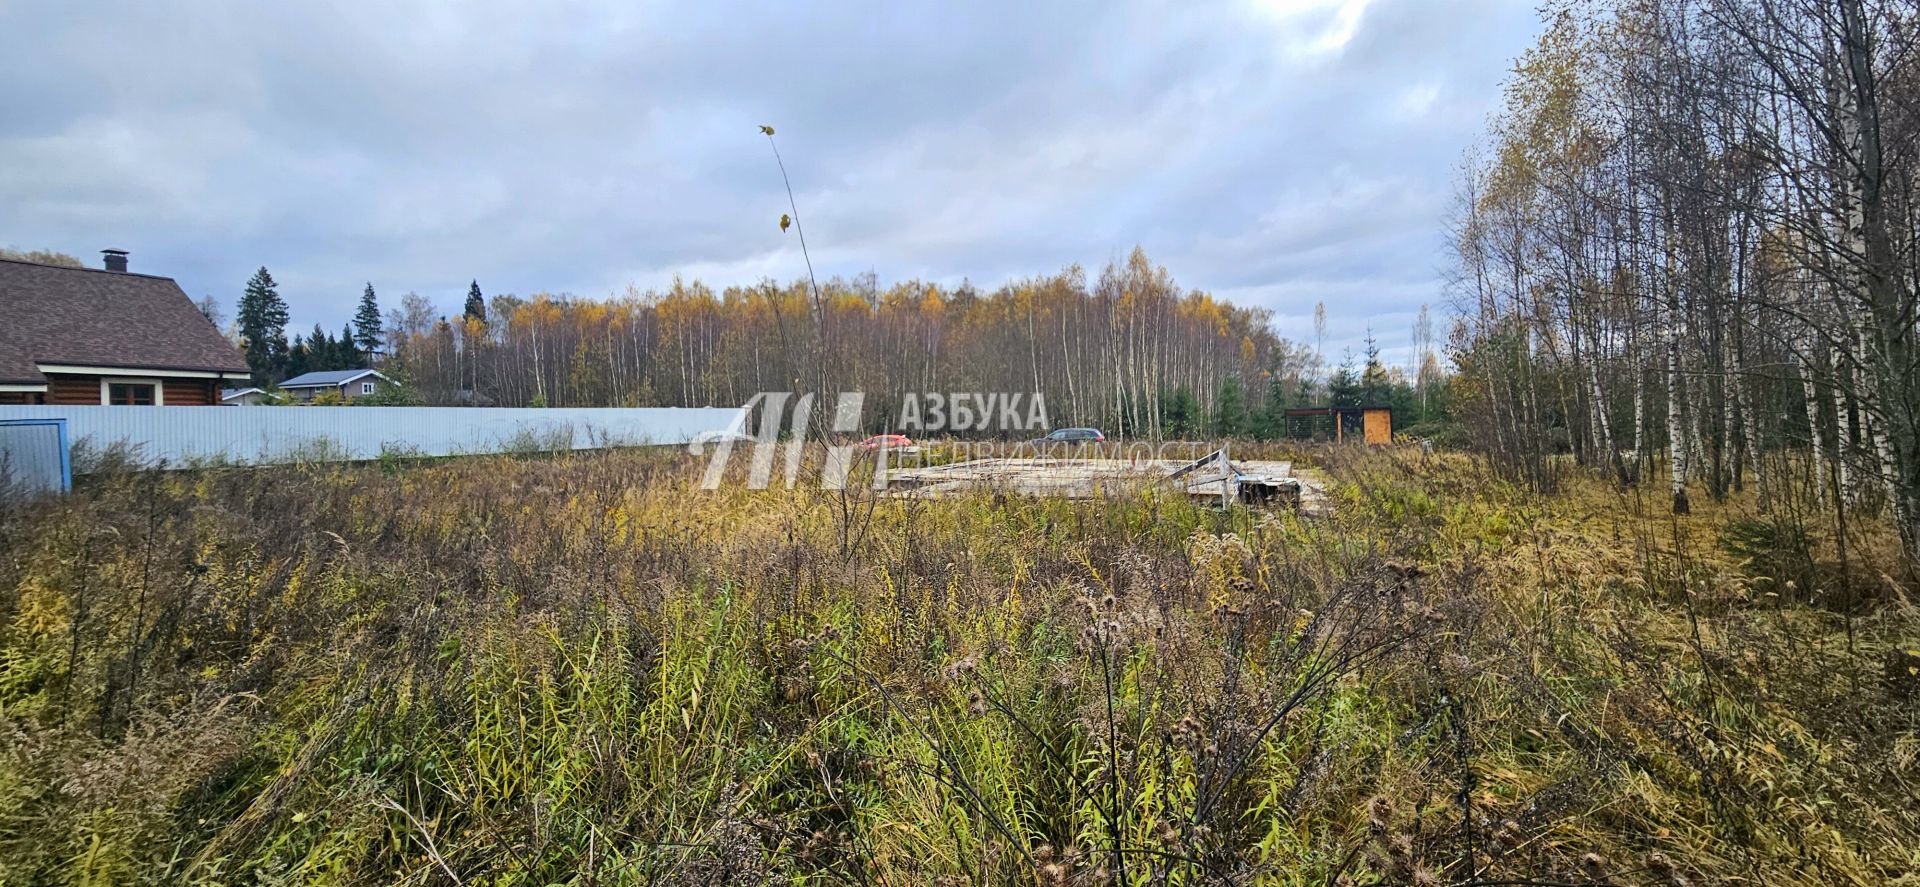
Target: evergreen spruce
298,354
263,327
1271,424
476,304
1230,409
346,354
321,351
1376,386
367,329
1181,413
1343,387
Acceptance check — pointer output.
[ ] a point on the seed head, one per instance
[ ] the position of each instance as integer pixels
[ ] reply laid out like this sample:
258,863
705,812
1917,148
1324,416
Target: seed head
1663,867
1379,813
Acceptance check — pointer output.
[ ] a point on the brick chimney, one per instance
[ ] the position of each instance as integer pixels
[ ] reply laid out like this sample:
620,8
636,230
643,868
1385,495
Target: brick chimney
115,259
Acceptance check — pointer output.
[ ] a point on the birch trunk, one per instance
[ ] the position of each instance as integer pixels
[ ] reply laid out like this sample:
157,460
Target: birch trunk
1815,431
1845,441
1605,426
1641,458
1678,431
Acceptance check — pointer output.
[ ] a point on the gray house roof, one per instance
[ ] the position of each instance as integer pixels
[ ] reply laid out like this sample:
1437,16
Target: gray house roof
328,378
88,317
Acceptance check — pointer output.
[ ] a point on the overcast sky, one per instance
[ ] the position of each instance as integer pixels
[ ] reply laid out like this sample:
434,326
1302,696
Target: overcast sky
1274,152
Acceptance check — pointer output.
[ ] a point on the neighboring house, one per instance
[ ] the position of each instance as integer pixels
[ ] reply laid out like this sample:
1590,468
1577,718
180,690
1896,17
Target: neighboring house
92,336
244,397
351,384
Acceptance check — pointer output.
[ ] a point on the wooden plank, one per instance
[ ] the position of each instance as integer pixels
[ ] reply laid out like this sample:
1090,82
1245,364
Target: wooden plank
190,392
1379,426
1219,454
73,390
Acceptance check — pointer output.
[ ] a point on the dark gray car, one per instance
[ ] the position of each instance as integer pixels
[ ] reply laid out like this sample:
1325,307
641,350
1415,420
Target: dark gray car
1073,436
1066,440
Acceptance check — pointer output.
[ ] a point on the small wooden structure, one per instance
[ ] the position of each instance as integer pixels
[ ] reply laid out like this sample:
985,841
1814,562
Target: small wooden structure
1374,423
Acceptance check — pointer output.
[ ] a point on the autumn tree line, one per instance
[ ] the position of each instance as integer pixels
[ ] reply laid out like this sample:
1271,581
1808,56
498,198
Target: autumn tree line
1688,247
1128,350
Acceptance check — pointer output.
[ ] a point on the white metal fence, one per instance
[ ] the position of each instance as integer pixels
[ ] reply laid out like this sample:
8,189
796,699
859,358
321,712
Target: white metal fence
185,436
33,456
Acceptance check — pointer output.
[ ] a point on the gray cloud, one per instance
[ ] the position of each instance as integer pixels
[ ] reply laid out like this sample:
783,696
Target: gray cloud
1278,152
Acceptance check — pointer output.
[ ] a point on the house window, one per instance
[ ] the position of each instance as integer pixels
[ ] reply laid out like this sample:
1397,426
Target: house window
366,387
133,394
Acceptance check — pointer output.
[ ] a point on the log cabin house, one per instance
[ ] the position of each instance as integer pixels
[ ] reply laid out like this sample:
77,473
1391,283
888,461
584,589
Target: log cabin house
106,336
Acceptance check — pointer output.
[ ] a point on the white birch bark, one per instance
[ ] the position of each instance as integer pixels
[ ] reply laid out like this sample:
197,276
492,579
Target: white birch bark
1814,430
1843,443
1679,444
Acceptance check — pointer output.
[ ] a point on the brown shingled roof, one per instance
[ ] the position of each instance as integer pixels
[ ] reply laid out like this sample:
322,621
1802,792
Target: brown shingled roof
59,315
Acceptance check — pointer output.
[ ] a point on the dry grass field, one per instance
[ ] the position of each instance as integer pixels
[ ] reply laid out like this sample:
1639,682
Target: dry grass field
584,670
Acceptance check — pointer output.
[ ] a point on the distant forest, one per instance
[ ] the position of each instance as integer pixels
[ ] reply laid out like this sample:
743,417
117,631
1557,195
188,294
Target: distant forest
1128,350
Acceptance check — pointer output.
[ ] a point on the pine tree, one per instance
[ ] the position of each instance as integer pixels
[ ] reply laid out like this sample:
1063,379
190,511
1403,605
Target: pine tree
476,304
298,357
263,327
1181,412
1343,387
347,355
366,324
1375,385
1230,409
320,351
1272,421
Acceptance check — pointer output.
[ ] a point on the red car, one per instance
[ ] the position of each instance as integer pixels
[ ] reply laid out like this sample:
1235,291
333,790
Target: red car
898,443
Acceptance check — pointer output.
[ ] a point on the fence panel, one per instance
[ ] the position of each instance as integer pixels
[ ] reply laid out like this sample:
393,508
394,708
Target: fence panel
33,456
185,436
